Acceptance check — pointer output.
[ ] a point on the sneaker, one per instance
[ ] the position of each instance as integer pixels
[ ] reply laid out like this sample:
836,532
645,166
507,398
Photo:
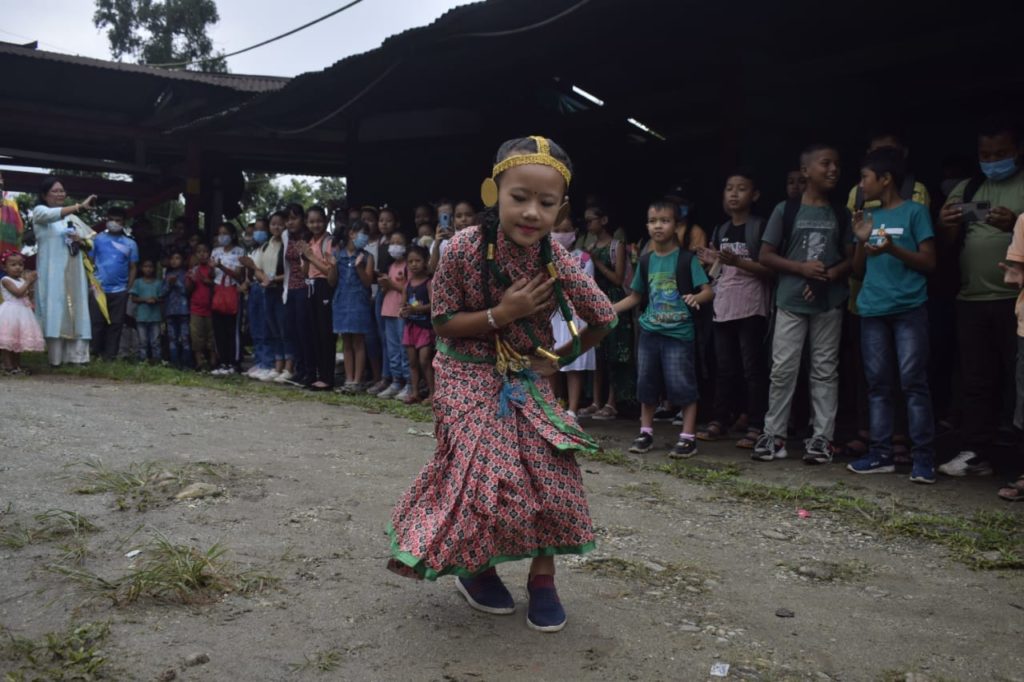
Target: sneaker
486,592
390,392
642,443
818,450
271,375
378,387
404,394
967,463
228,371
872,464
546,613
923,470
768,447
685,448
284,377
663,415
217,372
678,419
253,372
605,414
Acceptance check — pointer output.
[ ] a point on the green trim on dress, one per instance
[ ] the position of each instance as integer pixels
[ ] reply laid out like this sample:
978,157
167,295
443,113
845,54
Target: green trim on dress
423,571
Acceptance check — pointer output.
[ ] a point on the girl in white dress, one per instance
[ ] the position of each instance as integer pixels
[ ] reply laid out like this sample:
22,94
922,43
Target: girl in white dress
19,330
574,374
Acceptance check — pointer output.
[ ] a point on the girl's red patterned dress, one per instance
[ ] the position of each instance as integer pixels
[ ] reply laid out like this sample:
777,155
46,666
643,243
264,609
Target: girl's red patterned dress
498,488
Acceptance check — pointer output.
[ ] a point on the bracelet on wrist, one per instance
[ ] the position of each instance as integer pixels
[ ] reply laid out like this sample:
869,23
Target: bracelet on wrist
490,319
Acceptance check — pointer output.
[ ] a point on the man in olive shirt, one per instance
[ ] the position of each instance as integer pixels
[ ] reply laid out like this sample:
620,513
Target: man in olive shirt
986,324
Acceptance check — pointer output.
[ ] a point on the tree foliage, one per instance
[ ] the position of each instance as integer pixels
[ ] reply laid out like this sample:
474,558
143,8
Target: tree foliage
161,32
264,193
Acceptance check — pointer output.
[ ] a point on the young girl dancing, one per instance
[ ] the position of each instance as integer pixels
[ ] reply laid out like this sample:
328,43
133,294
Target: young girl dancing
19,330
503,484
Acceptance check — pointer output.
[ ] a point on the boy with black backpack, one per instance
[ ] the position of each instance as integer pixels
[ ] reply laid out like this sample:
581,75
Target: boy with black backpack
808,243
670,284
741,314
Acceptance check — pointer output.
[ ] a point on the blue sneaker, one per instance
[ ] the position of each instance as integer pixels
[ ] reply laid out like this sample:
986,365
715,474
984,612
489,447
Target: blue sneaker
546,612
923,470
485,592
872,464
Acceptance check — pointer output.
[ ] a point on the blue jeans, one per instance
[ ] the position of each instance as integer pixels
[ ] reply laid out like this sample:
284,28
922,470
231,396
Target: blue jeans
149,340
375,340
277,345
258,327
666,367
893,344
178,341
397,361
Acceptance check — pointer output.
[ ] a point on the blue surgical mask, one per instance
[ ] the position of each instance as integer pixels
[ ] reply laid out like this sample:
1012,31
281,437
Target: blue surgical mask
114,227
260,236
361,240
999,170
223,239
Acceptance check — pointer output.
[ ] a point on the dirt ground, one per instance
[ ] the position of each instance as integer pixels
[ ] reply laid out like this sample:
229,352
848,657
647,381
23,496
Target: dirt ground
684,577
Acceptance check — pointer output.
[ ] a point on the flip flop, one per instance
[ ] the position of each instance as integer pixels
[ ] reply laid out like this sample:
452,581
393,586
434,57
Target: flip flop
1013,492
712,432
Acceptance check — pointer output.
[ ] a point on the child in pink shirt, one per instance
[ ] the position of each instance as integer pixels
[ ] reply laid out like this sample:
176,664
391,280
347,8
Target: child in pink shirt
393,286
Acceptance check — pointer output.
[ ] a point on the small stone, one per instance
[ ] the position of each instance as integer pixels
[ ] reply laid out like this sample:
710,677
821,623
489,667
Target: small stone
784,613
197,491
775,535
167,675
689,627
653,567
991,556
193,660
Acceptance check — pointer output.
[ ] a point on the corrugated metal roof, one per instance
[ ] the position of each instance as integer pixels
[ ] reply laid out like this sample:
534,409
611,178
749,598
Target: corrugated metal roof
233,81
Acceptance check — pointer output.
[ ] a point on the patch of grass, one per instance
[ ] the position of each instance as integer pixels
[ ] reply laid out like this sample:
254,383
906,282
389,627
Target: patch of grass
72,654
322,661
168,572
974,540
143,485
51,525
613,457
235,385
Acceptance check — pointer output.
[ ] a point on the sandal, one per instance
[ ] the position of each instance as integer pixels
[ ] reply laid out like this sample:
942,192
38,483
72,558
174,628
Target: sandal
901,450
750,440
1013,492
741,425
857,446
713,431
606,413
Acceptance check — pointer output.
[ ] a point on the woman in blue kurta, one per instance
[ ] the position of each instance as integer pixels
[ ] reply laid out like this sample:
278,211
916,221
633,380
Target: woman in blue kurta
62,293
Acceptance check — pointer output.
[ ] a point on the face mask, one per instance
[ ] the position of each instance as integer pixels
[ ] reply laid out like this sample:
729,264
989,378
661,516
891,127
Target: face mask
566,239
114,227
223,239
999,170
396,251
361,240
260,236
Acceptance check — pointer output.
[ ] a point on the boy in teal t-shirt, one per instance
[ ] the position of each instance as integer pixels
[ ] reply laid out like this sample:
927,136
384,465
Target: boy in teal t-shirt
146,295
895,249
665,354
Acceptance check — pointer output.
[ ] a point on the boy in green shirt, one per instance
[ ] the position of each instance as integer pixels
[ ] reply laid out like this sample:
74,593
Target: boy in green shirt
666,351
895,251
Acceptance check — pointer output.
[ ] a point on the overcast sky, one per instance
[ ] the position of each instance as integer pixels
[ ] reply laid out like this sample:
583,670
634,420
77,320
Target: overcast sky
66,26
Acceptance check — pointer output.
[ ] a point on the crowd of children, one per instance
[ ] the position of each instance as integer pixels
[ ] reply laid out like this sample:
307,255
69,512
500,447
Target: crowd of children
758,320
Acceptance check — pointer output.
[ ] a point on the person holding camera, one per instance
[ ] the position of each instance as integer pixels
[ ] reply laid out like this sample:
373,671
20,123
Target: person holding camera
978,217
62,291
